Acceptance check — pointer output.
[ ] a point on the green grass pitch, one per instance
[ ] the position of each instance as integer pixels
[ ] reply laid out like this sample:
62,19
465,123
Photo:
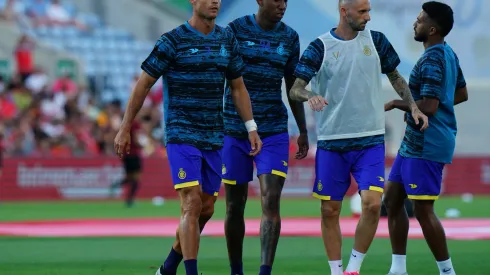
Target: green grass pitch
141,256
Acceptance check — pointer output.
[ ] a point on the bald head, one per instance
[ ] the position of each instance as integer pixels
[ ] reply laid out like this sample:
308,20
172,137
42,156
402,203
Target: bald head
343,3
355,13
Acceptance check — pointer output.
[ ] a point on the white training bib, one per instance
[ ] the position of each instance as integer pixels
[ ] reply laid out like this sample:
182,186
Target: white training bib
350,80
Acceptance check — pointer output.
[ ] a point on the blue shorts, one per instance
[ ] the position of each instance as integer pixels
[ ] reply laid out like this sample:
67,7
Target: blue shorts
333,171
238,164
191,167
421,178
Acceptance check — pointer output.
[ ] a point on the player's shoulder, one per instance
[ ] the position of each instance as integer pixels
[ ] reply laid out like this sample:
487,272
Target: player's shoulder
291,33
242,22
377,36
175,34
434,54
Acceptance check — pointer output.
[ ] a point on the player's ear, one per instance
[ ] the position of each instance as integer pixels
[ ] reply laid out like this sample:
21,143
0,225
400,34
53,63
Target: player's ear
432,30
260,2
343,11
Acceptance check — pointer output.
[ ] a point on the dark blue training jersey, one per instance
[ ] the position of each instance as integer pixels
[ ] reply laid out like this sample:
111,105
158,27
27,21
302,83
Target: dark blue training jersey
269,56
311,62
194,67
437,74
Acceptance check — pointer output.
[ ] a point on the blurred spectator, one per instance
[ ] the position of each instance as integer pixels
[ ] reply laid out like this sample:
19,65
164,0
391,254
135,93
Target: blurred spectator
24,56
37,81
65,85
58,15
12,10
37,12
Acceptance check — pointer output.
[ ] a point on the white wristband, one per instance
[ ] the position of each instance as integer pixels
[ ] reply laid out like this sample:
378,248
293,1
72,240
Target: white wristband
251,126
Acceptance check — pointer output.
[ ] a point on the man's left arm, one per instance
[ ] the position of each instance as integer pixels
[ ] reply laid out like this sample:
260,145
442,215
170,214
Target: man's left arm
389,62
240,97
297,108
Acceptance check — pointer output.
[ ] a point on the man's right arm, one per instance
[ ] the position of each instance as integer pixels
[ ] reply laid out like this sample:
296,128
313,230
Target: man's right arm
155,65
308,66
140,91
461,94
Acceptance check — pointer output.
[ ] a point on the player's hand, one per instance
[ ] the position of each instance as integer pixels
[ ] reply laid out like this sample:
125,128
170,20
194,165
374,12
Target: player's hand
303,146
255,143
122,143
389,106
417,116
317,103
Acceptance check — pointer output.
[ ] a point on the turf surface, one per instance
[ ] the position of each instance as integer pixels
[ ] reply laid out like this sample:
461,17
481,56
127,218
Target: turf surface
135,256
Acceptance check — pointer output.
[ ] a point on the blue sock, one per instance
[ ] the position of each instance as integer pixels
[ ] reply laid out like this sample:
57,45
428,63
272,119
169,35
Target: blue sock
237,269
190,267
172,262
265,270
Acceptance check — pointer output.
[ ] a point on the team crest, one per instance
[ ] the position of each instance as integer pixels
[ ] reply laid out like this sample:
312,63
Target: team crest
280,49
182,174
223,169
319,185
223,52
367,51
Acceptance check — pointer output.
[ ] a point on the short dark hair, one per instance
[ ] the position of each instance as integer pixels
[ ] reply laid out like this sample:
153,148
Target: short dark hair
442,14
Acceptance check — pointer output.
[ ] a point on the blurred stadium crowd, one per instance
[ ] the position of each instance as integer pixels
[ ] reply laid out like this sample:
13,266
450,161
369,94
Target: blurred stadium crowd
56,116
43,116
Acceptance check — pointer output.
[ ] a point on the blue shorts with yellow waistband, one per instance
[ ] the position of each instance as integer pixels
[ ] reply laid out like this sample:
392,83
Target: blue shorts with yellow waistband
421,178
334,169
238,164
191,166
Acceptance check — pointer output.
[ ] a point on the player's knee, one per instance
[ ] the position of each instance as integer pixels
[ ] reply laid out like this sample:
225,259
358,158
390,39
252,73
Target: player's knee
191,202
394,197
207,210
331,209
391,203
371,205
270,206
423,210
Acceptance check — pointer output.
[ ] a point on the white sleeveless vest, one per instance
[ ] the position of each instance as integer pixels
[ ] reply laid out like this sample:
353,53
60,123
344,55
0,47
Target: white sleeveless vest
350,80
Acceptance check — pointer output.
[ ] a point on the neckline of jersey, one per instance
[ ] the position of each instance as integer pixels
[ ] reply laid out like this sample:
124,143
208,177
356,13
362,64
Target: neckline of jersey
254,21
198,32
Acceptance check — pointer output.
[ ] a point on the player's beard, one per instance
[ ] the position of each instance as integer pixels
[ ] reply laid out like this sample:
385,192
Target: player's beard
420,36
207,17
354,25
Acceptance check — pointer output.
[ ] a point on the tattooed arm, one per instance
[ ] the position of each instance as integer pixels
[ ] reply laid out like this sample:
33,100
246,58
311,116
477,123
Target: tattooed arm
299,92
408,104
402,89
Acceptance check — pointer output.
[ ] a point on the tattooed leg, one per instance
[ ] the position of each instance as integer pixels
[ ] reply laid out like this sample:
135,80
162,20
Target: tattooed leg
270,227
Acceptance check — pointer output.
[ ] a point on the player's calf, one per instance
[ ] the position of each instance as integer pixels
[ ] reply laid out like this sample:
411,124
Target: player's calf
175,256
191,206
332,238
236,199
270,226
398,225
434,234
366,228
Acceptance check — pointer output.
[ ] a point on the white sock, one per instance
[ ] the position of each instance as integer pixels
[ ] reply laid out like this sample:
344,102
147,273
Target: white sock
446,267
355,261
398,264
336,267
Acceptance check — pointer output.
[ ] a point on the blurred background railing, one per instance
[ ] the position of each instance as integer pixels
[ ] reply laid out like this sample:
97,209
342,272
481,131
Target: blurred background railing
67,69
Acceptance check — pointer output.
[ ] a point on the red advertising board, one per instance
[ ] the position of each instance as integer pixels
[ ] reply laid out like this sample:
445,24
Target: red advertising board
90,178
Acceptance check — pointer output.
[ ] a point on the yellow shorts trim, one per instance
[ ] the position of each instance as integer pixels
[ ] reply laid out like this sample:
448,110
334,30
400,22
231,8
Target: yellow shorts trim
278,173
376,188
216,194
323,198
225,181
186,184
423,197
